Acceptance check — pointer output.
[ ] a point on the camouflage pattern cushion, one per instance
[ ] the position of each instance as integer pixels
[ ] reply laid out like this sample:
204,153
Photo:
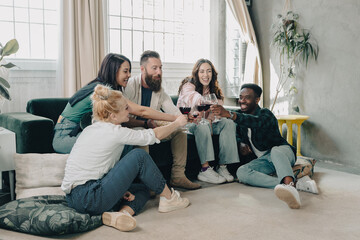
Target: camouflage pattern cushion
45,215
304,166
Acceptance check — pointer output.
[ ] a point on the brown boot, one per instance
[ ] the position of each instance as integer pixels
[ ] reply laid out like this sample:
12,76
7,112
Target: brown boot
183,182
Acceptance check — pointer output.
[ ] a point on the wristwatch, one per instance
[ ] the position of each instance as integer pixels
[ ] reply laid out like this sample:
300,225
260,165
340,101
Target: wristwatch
231,115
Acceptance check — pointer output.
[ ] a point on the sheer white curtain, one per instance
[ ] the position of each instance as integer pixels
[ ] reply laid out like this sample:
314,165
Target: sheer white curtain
253,71
82,43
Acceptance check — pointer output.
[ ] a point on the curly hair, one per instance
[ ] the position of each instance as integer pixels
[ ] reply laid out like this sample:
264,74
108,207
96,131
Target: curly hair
194,79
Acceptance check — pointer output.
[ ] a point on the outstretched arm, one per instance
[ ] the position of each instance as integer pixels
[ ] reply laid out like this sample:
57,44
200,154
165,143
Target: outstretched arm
164,131
149,113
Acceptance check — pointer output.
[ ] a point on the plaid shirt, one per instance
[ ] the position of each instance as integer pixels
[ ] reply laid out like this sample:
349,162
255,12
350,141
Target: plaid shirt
264,127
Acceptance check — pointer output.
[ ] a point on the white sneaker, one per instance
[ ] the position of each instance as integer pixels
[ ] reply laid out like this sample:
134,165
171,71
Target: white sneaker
222,171
288,194
174,203
122,221
306,184
211,176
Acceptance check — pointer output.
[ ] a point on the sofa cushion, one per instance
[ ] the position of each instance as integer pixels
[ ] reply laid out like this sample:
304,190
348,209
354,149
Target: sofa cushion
39,174
45,215
47,107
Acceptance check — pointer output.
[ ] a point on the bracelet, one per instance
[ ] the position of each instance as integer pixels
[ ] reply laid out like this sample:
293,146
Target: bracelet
231,115
146,125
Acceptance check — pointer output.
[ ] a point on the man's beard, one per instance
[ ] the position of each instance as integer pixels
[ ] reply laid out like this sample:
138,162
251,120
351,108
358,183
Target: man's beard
154,84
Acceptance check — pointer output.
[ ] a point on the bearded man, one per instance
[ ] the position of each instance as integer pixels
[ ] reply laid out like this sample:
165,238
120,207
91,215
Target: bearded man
145,89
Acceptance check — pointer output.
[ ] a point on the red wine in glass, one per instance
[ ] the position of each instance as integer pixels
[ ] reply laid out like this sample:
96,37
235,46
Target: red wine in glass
201,107
207,106
185,110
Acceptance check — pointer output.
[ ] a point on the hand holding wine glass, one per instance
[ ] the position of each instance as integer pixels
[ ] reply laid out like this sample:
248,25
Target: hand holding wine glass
214,101
185,109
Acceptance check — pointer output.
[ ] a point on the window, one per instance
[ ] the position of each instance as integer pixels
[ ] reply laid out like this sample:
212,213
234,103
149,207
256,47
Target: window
235,55
34,23
178,29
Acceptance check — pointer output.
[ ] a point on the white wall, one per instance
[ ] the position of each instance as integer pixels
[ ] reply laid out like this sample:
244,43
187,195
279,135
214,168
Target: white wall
329,88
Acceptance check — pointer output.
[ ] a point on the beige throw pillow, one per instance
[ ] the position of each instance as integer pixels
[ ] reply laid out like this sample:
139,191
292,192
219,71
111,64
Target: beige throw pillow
39,174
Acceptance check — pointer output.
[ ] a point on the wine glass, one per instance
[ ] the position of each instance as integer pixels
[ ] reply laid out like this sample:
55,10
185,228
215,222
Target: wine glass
214,101
185,109
203,106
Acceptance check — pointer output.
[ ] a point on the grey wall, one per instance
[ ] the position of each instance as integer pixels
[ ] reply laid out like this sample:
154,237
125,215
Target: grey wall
329,87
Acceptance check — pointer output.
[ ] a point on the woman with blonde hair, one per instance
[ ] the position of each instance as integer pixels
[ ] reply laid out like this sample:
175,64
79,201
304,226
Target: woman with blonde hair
96,182
203,81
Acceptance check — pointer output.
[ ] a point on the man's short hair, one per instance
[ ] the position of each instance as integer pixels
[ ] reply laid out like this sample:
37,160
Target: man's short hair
257,90
148,54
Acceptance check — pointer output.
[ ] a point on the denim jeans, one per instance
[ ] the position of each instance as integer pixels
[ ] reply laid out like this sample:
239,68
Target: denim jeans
62,142
228,152
106,194
268,170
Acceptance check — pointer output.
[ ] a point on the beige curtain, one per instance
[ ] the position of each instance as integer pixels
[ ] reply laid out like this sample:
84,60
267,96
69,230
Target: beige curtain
253,71
83,45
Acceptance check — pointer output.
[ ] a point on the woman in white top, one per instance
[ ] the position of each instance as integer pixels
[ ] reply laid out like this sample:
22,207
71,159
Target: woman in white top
202,82
96,182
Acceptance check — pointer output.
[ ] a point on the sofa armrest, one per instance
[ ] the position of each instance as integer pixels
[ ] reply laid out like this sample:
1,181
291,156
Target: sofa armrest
34,134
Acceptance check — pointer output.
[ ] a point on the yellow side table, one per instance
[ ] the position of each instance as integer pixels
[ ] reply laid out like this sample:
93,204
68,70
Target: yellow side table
290,120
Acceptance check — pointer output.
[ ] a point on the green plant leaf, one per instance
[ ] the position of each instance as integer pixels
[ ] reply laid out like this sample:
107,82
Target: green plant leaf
4,92
8,65
11,47
4,82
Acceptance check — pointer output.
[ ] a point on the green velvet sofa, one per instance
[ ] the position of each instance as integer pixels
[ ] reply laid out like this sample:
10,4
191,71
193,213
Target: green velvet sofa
34,133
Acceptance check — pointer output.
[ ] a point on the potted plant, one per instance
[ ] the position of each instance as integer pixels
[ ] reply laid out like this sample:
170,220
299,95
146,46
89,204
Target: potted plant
294,46
10,47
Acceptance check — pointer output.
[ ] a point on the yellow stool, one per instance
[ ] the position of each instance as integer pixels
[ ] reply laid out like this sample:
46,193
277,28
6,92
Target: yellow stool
290,120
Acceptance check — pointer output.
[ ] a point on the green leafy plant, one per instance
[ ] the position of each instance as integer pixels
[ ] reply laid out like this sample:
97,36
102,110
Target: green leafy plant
294,46
10,47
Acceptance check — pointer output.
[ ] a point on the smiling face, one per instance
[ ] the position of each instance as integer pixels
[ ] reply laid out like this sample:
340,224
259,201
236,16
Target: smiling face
123,74
152,73
205,74
248,100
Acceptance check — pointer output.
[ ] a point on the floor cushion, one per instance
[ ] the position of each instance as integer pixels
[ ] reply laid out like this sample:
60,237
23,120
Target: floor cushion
304,166
45,215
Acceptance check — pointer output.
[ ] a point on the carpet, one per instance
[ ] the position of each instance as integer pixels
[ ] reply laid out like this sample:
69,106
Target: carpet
237,211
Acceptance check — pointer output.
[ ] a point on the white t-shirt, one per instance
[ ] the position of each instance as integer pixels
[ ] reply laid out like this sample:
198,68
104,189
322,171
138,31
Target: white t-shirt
257,152
97,150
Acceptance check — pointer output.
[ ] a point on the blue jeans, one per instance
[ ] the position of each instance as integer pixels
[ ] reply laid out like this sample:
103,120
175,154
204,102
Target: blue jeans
270,169
226,129
106,194
62,142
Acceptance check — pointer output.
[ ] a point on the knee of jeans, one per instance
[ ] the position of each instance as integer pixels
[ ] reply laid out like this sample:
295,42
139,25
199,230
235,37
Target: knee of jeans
202,129
139,151
242,173
284,150
229,123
